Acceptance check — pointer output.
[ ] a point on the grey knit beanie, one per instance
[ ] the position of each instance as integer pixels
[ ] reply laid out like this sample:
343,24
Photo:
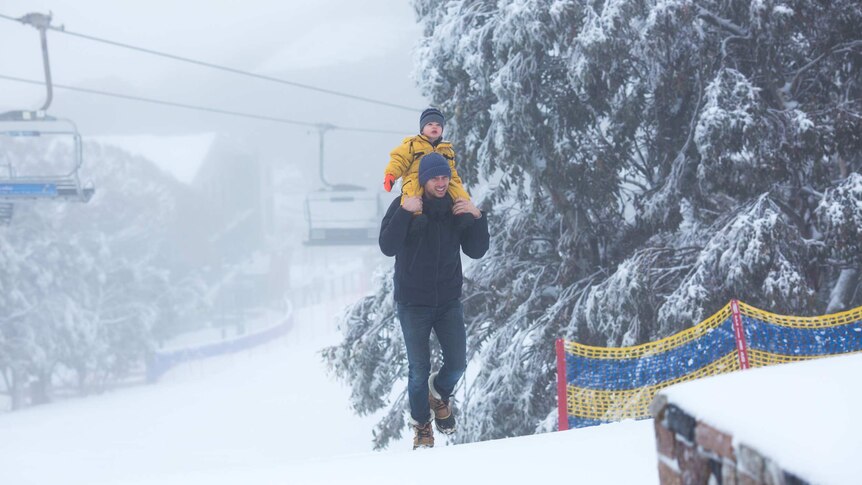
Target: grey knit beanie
429,115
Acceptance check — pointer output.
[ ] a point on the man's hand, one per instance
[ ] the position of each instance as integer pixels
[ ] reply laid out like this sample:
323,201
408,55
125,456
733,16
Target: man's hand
412,204
463,206
388,182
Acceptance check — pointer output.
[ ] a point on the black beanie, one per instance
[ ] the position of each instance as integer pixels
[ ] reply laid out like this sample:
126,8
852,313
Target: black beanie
429,115
433,165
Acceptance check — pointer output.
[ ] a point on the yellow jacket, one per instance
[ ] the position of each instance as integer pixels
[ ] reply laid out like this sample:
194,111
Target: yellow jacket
404,163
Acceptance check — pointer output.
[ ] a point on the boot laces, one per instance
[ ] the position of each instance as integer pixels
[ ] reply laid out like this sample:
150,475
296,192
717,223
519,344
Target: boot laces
424,431
440,405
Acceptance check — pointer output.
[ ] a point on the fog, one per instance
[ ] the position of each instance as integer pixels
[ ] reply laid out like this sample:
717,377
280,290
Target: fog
197,231
360,48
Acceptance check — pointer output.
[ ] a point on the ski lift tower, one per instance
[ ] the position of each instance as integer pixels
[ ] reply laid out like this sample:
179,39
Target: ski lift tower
340,214
61,183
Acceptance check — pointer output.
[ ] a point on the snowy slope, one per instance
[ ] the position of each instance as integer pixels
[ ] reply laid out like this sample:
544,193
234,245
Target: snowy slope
272,415
615,454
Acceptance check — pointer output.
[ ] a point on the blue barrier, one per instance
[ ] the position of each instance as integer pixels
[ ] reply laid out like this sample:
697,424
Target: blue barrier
161,362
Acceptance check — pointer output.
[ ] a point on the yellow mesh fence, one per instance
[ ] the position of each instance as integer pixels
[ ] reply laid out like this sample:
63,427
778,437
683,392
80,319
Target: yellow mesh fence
759,358
651,348
823,321
634,403
604,384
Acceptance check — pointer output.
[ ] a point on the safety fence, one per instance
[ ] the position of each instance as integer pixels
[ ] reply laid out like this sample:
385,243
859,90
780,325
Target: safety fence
605,384
161,362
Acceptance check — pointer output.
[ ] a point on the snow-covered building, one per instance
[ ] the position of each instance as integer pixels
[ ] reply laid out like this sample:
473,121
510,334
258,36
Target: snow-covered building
236,186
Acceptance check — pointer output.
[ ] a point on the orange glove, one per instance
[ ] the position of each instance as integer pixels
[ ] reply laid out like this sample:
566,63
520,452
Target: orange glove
388,182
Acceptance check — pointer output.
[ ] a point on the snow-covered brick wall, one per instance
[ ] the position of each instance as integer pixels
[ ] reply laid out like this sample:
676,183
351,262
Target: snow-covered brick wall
693,452
788,424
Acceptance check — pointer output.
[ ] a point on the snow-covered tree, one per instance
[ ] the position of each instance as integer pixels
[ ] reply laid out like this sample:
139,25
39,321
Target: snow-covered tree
644,162
83,285
840,212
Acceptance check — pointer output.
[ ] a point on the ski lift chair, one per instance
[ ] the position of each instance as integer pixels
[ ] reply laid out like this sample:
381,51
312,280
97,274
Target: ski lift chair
342,214
65,185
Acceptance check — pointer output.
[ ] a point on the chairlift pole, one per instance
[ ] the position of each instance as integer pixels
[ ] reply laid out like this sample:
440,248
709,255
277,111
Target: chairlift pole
42,23
322,128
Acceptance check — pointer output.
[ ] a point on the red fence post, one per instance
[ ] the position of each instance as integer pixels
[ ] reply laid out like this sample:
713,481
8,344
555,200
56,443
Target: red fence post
739,335
562,395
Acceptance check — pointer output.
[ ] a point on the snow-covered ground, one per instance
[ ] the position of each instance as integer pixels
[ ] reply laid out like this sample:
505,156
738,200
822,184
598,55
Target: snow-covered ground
272,415
615,454
805,416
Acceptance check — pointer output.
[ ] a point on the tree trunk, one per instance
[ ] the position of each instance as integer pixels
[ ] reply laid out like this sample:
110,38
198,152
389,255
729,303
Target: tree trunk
16,390
81,370
843,291
40,389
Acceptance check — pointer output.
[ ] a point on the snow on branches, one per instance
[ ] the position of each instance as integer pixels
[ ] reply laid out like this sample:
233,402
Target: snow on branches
644,162
840,214
81,287
757,255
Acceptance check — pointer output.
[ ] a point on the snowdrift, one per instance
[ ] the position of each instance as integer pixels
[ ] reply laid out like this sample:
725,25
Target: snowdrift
613,454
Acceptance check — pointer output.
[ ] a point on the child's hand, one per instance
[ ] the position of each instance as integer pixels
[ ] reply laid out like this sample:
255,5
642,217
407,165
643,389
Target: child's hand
412,204
388,182
463,206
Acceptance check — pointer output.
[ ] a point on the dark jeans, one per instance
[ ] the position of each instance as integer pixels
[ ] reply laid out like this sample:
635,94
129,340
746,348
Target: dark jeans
447,321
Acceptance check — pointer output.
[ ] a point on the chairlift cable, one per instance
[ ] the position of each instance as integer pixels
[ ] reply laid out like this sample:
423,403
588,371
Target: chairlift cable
201,108
210,65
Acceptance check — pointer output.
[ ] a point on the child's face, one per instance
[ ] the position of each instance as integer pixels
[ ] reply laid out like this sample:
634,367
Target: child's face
432,130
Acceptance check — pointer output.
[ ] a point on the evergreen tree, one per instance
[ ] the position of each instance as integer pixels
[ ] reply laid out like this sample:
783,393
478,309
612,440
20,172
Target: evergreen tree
644,162
83,285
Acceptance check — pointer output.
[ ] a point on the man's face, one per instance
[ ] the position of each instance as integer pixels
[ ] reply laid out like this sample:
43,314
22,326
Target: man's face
432,130
437,186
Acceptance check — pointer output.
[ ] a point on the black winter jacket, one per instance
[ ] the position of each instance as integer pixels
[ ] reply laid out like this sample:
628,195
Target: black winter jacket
428,269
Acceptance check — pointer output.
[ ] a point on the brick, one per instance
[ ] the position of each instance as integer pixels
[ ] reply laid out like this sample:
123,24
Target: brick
714,469
667,475
679,422
714,440
750,465
747,480
693,466
728,473
772,473
665,440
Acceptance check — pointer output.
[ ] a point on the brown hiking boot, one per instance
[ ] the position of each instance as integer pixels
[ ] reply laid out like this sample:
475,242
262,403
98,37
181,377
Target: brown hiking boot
423,435
443,417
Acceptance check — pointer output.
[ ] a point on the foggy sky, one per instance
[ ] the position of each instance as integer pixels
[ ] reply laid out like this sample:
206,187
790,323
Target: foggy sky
363,48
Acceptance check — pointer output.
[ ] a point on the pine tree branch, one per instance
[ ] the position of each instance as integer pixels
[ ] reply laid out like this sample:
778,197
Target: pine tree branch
797,219
720,22
673,181
849,46
793,85
642,164
727,40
